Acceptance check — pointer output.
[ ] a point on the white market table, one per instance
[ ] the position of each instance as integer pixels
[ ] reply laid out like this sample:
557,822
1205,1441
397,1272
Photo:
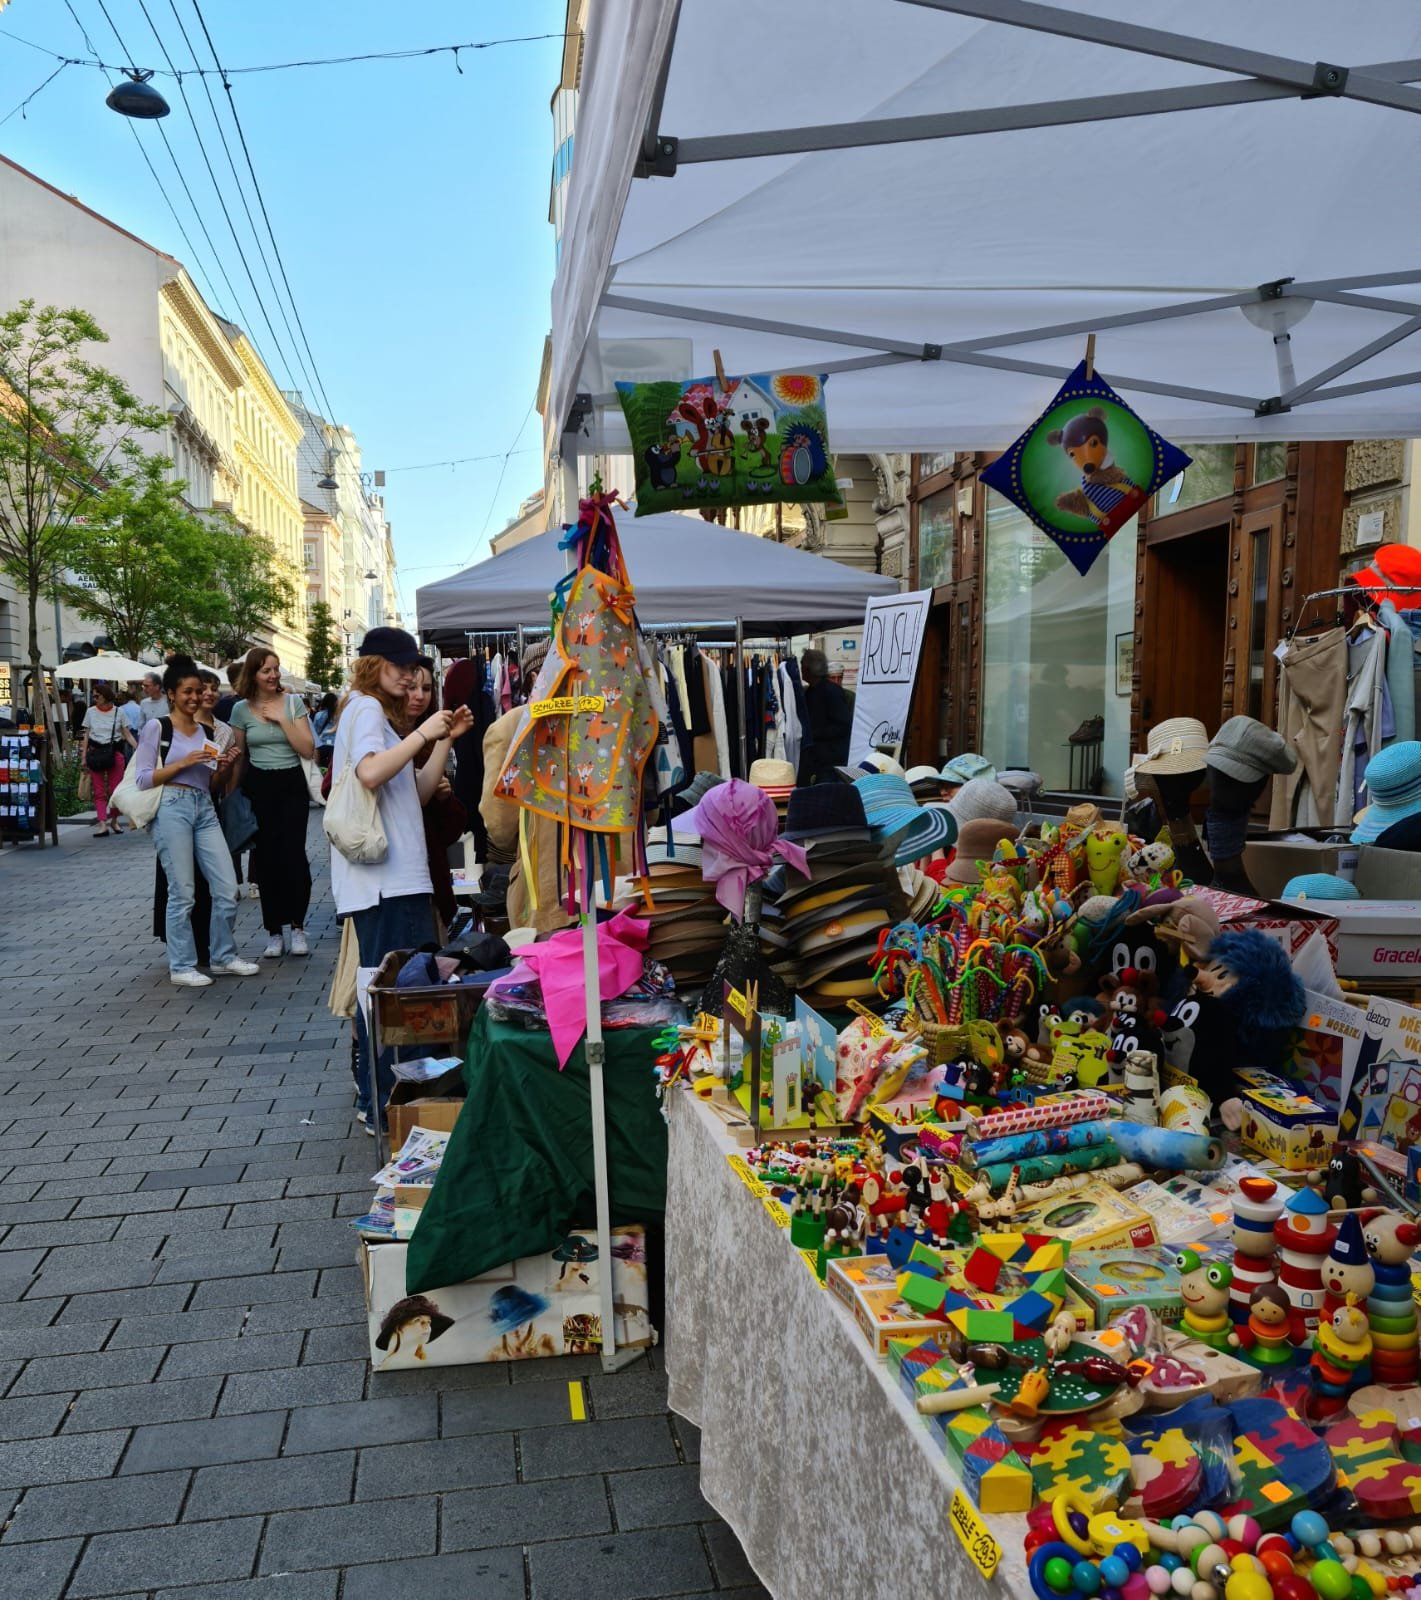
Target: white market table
833,1484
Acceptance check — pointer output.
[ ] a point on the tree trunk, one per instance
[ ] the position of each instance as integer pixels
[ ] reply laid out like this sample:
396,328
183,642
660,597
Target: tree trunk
40,713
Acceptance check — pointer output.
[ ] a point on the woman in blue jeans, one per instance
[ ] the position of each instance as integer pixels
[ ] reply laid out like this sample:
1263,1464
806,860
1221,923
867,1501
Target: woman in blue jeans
389,902
175,754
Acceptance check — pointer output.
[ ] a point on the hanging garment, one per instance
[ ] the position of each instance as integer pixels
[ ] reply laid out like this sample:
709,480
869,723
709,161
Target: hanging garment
1400,670
685,754
715,699
463,687
621,958
678,672
791,728
1362,719
1312,688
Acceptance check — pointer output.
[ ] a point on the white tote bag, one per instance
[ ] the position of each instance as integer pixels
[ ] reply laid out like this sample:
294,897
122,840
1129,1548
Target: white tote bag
352,821
140,806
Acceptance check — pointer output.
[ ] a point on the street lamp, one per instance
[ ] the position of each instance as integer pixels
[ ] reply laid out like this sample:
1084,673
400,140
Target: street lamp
134,96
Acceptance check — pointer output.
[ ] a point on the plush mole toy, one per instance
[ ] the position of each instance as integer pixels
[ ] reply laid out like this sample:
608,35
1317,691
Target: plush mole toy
1107,495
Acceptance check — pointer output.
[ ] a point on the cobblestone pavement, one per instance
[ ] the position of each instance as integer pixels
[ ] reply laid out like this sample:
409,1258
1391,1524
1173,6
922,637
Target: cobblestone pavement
186,1407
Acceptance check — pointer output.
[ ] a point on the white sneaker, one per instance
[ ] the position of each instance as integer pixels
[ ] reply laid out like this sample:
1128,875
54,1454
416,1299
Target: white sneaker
298,945
251,891
191,979
236,968
274,948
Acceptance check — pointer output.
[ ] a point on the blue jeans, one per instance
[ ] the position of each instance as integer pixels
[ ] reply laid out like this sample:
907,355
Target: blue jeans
186,831
403,922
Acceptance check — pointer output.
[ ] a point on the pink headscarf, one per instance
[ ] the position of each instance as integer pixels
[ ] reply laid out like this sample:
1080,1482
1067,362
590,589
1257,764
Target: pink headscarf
739,834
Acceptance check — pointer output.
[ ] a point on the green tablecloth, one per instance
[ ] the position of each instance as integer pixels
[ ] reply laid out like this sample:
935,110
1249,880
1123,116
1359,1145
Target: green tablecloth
518,1171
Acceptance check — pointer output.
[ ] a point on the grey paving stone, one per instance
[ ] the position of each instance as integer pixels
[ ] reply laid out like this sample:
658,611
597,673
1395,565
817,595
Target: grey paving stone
315,1244
254,1353
117,1197
150,1501
99,1273
152,1301
239,1258
231,1193
254,1290
521,1513
50,1374
635,1393
434,1466
27,1313
189,1553
658,1497
299,1386
498,1409
37,1571
142,1403
282,1485
350,1342
297,1208
558,1369
478,1575
184,1224
35,1417
211,1442
648,1565
688,1436
362,1422
280,1316
85,1455
346,1535
178,1327
35,1210
192,1177
597,1447
273,1586
66,1339
441,1380
728,1559
34,1235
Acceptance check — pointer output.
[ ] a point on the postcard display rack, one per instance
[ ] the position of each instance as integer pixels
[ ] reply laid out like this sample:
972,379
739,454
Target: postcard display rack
23,799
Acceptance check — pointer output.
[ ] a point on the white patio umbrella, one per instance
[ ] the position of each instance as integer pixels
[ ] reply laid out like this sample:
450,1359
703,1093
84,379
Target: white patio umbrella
113,669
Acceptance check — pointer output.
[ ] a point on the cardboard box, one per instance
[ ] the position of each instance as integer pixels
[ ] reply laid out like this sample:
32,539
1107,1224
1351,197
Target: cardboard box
1290,923
540,1306
1377,938
439,1115
1388,874
1270,863
1284,1125
1110,1281
1094,1217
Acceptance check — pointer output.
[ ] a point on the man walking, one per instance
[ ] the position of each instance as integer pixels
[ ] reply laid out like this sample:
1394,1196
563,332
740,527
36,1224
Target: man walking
829,720
154,702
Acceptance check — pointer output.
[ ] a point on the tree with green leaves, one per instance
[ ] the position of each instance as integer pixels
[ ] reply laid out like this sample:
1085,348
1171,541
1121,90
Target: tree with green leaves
249,587
140,565
324,664
68,428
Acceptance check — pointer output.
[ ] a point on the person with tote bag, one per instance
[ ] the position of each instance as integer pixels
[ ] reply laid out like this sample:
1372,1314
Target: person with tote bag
376,793
273,733
101,754
176,757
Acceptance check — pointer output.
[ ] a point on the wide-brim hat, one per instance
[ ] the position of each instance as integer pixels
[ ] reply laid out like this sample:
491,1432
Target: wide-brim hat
824,808
1394,784
963,768
512,1306
405,1311
877,761
1178,744
769,773
893,812
977,842
982,797
1246,750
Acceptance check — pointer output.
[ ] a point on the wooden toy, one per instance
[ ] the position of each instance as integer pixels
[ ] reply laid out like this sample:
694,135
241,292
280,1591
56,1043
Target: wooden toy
1065,1394
1282,1466
1347,1272
1256,1208
1267,1336
1090,1465
1341,1346
1304,1234
1371,1450
995,1475
1391,1309
1204,1289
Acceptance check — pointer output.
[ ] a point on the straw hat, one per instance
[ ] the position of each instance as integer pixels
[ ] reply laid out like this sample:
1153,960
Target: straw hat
1178,744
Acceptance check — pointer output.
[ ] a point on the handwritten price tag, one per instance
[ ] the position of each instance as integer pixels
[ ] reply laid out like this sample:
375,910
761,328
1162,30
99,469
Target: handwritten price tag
566,704
982,1549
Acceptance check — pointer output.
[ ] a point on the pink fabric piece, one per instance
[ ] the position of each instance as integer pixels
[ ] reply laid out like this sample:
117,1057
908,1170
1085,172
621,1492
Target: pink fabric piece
621,958
739,831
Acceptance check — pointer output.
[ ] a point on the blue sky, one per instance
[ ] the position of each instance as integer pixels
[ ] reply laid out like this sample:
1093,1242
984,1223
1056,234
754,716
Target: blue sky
410,204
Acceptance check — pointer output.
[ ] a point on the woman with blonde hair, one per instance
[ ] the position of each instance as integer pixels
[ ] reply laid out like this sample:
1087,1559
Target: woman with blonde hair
274,733
390,902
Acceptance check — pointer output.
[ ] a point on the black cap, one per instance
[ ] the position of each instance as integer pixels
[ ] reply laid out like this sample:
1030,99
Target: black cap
394,645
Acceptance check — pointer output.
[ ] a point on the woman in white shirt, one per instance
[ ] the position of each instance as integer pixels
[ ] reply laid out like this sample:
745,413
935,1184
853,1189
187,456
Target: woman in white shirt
390,902
104,737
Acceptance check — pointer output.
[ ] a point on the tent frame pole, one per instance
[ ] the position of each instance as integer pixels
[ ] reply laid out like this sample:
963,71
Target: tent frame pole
740,692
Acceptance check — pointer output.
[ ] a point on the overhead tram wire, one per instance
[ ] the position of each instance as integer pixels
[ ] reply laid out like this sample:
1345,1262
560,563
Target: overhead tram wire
199,265
222,202
291,368
33,93
488,517
261,200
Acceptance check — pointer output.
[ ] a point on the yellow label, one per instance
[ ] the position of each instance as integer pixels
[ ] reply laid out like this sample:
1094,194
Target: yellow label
977,1541
876,1025
811,1260
564,705
777,1212
739,1004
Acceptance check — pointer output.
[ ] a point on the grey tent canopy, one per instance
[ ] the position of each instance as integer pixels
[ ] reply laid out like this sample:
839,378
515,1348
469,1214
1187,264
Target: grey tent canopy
683,570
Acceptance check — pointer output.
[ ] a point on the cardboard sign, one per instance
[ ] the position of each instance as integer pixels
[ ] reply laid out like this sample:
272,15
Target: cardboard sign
893,627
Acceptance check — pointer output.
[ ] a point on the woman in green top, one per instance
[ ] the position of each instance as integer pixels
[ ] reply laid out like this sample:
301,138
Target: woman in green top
274,733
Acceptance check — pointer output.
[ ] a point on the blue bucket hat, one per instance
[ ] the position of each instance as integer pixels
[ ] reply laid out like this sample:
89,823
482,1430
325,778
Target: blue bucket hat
1319,886
892,809
969,765
511,1307
1394,784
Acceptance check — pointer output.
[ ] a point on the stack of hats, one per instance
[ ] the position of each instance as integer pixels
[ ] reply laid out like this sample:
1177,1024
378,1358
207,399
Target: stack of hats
687,923
1394,783
925,782
821,934
776,778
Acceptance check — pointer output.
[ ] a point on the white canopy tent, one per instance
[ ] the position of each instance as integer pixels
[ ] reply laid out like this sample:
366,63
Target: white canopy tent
938,200
106,669
684,571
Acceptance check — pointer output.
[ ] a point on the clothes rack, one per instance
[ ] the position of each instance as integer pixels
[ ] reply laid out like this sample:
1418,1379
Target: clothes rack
1353,590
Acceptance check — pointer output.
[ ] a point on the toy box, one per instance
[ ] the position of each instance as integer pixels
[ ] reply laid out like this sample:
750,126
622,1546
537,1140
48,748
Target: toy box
1111,1281
1094,1217
1285,1125
540,1306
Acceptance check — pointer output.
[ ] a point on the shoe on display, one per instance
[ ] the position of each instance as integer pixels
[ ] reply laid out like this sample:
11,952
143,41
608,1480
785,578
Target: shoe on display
237,968
274,948
297,943
191,979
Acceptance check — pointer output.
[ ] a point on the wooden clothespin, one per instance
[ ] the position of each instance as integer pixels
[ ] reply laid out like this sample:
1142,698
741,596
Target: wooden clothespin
721,384
1089,357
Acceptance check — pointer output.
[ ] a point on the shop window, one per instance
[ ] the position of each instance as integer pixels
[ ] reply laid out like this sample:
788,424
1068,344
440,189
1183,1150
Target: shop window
1210,476
1270,461
937,529
1052,655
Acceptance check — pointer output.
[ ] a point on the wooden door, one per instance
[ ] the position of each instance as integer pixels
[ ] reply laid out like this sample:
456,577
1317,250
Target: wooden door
1183,645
